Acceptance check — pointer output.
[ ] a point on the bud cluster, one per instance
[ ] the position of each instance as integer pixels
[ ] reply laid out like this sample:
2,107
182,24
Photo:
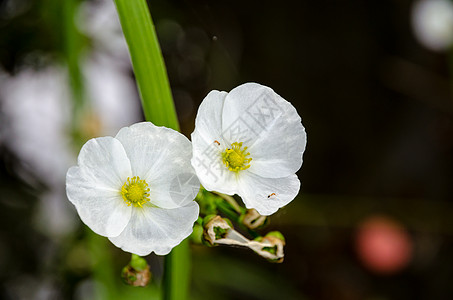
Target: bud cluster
218,230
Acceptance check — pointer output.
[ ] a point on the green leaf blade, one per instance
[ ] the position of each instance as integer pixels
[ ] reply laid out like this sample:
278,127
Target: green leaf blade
148,64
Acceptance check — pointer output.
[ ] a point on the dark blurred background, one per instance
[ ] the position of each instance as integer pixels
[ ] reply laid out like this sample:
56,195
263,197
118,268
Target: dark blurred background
372,81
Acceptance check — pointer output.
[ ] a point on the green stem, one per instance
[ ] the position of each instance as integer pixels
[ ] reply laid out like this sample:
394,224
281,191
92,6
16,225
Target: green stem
147,61
226,208
231,201
158,106
176,281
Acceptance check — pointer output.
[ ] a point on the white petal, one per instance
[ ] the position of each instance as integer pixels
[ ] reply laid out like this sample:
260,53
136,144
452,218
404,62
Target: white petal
208,144
100,208
161,157
268,125
94,186
248,110
267,195
175,190
158,230
209,117
210,169
104,162
278,151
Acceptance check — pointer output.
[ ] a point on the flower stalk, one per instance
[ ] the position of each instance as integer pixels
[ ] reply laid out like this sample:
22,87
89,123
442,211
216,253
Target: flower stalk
158,106
231,201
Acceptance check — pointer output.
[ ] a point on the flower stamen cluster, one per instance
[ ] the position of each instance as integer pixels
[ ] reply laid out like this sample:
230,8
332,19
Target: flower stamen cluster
255,116
236,158
135,192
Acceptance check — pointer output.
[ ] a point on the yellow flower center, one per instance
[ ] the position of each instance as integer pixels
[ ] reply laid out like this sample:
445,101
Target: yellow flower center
135,192
236,158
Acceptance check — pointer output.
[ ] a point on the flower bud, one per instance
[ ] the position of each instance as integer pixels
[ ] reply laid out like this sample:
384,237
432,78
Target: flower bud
253,220
215,228
271,246
137,272
197,234
218,230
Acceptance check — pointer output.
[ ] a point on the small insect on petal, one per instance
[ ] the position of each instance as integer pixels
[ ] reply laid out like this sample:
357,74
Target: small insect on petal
248,141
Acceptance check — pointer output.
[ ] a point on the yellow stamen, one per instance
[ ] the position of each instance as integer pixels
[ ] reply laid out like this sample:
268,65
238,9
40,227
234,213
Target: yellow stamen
236,158
135,192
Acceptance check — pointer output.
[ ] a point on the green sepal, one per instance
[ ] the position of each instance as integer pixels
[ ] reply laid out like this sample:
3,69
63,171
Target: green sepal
276,234
207,219
138,263
207,202
197,234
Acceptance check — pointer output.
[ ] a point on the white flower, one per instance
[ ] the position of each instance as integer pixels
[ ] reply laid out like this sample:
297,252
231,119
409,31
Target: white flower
136,188
432,21
249,142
